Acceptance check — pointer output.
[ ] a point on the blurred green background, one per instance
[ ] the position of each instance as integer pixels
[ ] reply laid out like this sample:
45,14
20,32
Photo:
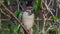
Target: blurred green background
8,25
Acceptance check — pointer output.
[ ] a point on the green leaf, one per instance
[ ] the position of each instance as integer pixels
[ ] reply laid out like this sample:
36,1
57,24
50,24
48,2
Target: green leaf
21,30
55,17
20,15
37,5
16,13
53,31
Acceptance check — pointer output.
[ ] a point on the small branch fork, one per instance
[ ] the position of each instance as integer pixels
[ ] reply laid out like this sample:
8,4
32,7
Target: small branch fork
10,12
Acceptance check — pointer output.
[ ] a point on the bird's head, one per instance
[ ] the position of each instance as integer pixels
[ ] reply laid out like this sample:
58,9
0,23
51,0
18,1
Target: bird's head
30,10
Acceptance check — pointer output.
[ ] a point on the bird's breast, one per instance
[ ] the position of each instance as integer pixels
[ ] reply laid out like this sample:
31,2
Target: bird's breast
28,20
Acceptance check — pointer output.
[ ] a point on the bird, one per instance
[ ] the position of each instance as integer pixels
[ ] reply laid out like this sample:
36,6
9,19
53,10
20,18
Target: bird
28,18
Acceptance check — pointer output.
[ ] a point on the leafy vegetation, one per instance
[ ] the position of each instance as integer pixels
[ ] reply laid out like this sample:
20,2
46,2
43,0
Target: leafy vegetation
11,26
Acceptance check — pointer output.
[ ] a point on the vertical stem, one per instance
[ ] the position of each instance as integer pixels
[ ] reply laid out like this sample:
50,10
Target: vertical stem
44,22
38,25
0,18
18,4
55,7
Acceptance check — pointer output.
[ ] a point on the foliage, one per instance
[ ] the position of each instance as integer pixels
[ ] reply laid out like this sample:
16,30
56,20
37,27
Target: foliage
53,31
13,27
37,6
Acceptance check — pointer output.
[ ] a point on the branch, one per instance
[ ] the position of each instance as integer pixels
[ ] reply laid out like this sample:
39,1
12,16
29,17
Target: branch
5,19
0,19
15,18
48,8
5,14
44,22
48,28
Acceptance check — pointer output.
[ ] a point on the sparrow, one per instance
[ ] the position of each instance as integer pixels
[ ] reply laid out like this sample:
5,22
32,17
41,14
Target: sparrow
28,18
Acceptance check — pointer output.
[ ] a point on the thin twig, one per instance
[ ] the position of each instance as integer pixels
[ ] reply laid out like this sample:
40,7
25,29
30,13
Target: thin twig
44,22
48,8
0,19
18,4
46,19
5,19
49,2
48,28
38,26
5,13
